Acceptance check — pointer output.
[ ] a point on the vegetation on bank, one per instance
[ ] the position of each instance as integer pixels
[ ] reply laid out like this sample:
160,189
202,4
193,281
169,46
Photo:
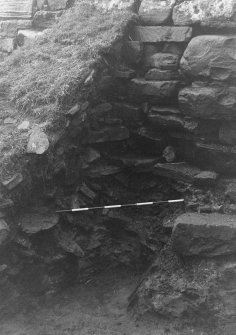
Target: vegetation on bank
39,76
40,81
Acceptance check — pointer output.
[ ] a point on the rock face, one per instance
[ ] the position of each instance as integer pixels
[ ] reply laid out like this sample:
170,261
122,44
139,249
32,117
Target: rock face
212,101
211,57
204,235
217,13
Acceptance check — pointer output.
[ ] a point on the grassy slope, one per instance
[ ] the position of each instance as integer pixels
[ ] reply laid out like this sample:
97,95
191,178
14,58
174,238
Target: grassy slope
38,78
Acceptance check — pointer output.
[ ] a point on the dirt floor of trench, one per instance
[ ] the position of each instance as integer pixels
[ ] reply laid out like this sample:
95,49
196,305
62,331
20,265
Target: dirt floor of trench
96,307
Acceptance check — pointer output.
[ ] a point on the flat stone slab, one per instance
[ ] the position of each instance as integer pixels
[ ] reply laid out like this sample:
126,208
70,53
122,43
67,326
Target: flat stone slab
154,34
184,172
159,89
38,220
172,121
108,134
210,56
159,75
206,235
16,9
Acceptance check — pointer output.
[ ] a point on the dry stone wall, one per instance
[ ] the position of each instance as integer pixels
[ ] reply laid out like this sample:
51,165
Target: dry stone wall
160,126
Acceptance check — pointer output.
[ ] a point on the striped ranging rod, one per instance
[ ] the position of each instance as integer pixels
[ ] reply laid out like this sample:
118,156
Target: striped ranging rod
120,206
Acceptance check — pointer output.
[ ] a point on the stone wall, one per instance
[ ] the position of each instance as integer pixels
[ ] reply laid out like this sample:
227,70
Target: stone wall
161,125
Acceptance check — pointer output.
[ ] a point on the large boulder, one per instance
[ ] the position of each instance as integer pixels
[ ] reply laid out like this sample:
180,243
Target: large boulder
212,101
206,235
214,13
210,56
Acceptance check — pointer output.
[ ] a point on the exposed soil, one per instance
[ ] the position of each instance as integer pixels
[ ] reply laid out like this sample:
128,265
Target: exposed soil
97,307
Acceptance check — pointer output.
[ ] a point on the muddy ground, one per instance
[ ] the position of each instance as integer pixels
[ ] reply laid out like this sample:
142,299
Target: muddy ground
96,307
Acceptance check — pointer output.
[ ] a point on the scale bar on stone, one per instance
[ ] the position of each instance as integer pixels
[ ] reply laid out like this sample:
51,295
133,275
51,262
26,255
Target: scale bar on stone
83,209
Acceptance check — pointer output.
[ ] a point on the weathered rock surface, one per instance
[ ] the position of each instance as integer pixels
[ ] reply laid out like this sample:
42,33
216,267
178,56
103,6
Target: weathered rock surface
182,171
230,190
156,34
156,89
57,4
44,19
13,182
217,13
213,101
37,220
4,231
27,36
221,158
197,292
210,56
154,13
159,75
133,52
108,5
165,61
38,142
206,235
7,44
172,121
227,133
108,134
8,28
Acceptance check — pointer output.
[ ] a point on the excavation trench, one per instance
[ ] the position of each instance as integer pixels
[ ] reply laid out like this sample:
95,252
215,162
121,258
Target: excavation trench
151,120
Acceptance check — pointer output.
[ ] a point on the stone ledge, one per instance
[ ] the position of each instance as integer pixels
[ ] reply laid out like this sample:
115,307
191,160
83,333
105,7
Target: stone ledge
155,34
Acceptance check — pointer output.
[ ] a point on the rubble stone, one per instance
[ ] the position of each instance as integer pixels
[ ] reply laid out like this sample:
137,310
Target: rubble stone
37,220
38,142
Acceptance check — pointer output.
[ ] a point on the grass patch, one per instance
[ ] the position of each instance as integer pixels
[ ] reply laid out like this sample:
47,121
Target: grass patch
42,78
39,76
